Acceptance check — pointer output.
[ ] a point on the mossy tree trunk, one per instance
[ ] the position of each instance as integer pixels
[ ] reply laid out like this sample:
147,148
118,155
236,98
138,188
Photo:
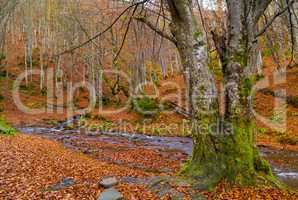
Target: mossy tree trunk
193,53
225,148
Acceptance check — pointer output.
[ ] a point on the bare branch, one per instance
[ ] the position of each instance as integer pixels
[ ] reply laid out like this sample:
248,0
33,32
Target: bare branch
155,29
104,31
269,23
259,8
125,34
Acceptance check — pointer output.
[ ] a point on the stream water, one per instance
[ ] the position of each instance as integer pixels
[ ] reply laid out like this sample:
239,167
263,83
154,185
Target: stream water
284,163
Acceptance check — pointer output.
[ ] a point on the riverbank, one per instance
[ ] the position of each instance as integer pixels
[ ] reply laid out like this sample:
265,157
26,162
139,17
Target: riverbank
30,164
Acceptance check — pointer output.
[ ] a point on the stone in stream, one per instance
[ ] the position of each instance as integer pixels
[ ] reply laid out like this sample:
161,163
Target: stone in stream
110,194
83,131
66,182
108,182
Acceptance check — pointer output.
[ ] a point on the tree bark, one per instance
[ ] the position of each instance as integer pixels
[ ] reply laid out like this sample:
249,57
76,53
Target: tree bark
292,23
223,149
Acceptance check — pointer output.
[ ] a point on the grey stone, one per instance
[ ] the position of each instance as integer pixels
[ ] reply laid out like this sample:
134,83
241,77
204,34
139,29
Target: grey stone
110,194
108,182
66,182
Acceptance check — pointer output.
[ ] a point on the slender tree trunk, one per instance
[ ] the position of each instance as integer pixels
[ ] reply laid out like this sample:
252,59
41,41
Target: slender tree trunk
292,23
255,59
295,30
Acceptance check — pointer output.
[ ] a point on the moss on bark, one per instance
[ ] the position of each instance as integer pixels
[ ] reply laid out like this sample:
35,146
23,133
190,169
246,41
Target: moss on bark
229,155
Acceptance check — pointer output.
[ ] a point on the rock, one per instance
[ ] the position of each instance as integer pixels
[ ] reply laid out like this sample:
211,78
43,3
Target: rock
108,182
83,131
66,182
110,194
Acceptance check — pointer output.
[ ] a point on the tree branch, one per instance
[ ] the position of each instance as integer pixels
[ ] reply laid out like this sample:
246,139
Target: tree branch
155,29
259,8
104,31
269,23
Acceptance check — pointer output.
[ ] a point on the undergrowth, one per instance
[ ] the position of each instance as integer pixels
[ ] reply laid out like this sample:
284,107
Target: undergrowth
146,106
5,128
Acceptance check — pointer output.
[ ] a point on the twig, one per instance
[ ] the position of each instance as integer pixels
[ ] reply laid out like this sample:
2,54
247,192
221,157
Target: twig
104,31
158,31
269,23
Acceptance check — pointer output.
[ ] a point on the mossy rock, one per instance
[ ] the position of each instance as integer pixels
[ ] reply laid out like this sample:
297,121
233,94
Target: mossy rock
69,127
148,107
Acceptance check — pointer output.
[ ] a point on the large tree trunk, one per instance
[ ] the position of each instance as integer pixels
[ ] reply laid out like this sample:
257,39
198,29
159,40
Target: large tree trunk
193,54
225,149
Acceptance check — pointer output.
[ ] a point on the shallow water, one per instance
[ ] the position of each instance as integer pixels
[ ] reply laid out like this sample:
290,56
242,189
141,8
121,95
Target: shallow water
284,163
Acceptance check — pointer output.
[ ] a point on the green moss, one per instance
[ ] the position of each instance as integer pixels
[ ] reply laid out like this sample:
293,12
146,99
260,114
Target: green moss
262,130
52,122
93,127
140,18
99,117
266,52
277,117
214,64
293,114
197,35
69,127
230,157
146,106
5,128
259,77
88,116
241,58
247,86
28,89
260,164
104,126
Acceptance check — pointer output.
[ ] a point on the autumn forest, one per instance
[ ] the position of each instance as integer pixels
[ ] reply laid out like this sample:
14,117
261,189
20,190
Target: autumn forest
149,99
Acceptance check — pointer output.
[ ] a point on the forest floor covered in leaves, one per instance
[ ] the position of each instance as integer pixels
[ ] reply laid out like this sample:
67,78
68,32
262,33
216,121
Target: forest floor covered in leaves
30,165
